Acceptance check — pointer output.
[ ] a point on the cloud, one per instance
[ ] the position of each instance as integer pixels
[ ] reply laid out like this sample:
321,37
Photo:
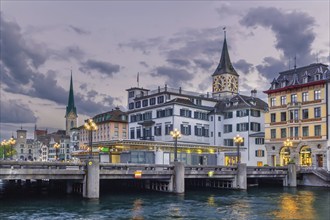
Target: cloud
175,77
293,31
204,64
143,63
243,66
143,45
270,67
12,111
100,66
178,62
78,30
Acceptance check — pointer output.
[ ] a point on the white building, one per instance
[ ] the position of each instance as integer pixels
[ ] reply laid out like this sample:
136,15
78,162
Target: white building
203,119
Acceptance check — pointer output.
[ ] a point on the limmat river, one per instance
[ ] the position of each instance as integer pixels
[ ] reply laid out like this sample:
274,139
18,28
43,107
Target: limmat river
255,203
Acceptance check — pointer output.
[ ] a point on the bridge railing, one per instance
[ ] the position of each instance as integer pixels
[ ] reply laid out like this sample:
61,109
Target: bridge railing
210,168
42,165
267,170
131,166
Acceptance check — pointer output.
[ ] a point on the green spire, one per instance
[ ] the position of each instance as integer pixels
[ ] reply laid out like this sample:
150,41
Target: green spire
225,65
71,107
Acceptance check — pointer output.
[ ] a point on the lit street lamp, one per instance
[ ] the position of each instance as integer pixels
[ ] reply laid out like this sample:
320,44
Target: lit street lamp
288,143
56,146
90,126
238,140
175,134
11,141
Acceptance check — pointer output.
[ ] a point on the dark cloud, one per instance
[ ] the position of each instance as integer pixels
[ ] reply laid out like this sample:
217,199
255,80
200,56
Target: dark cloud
205,84
270,67
102,67
92,94
293,31
69,52
78,30
243,66
83,86
204,64
13,111
175,77
178,62
143,45
144,64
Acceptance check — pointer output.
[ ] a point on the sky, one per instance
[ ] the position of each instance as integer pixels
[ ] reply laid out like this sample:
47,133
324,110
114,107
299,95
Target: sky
178,43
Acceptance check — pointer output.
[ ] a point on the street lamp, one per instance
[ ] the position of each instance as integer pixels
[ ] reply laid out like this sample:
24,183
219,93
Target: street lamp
90,126
288,143
11,141
175,134
238,140
3,144
56,146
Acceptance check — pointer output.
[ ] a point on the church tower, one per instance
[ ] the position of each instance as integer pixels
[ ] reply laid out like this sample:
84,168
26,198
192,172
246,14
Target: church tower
225,77
71,112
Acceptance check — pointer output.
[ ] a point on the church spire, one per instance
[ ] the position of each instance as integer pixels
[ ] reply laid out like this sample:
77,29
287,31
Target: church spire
71,107
225,65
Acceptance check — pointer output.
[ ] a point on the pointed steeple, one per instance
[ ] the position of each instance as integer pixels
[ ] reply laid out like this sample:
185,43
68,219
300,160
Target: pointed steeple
71,107
225,65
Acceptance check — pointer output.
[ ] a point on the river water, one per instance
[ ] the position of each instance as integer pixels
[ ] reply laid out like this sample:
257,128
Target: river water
256,203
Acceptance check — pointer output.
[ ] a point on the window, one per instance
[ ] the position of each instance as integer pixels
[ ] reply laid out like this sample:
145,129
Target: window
205,131
283,132
260,153
211,118
198,130
164,113
255,126
228,115
160,99
242,113
294,114
198,102
283,116
133,118
168,128
145,103
185,129
158,130
283,84
219,118
305,79
294,98
272,102
147,116
260,141
255,113
317,130
305,114
200,115
228,142
305,96
131,105
131,94
152,101
317,95
139,117
132,133
219,134
138,133
185,113
305,131
272,117
283,100
294,131
138,104
317,112
228,128
273,133
317,77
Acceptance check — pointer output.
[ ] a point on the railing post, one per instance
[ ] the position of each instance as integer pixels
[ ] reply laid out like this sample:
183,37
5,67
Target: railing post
92,180
292,175
178,177
241,179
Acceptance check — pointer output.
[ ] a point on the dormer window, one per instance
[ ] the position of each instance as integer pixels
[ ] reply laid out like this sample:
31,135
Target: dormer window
305,79
273,86
283,84
228,104
317,77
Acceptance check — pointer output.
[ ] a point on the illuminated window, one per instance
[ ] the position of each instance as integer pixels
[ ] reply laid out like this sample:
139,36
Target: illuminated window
317,95
260,153
305,96
283,100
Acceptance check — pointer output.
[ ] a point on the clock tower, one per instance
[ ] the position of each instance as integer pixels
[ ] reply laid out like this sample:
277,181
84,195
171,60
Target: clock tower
225,77
71,112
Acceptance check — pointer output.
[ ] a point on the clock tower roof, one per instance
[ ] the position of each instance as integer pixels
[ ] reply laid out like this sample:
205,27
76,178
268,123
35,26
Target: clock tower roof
225,65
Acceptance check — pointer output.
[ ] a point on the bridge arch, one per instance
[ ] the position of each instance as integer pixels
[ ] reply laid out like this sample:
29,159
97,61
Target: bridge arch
305,156
285,155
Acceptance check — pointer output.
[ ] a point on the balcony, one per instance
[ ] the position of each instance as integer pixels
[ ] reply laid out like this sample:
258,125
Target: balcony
294,121
294,105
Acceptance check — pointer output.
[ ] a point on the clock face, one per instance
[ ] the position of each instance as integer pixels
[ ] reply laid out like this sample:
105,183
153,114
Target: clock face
233,84
219,83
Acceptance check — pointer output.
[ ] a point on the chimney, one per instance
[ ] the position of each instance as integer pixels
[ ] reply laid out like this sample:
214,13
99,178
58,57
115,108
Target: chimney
254,93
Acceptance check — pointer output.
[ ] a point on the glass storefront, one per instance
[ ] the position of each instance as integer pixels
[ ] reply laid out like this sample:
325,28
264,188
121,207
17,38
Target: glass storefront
305,156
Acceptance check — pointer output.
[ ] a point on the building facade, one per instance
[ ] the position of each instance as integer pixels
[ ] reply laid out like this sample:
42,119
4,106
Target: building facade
297,124
211,119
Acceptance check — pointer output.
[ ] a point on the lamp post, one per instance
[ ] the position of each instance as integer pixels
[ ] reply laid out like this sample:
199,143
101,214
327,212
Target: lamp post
175,134
56,146
238,140
11,141
3,144
288,143
90,126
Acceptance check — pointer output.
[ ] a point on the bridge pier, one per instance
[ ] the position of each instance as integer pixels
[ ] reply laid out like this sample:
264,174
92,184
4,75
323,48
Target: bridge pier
291,178
241,178
91,188
178,177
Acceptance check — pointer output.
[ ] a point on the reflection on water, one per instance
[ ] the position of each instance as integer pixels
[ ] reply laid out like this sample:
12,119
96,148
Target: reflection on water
296,206
210,201
137,210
